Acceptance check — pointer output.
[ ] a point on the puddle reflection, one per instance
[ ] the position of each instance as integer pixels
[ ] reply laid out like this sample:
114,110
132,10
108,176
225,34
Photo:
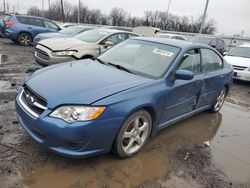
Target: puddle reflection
152,162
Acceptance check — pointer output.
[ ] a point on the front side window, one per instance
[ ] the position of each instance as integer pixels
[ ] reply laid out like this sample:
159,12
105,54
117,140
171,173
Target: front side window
210,60
142,57
191,62
116,38
50,25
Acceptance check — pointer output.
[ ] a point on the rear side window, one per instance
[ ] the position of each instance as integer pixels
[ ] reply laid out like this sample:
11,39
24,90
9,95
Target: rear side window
36,22
30,21
210,60
191,61
22,19
179,38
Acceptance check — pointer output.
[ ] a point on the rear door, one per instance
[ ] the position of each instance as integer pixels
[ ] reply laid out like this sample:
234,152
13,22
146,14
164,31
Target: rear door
183,95
212,68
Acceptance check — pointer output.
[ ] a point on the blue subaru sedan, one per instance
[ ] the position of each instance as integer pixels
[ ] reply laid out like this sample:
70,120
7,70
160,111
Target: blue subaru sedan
119,100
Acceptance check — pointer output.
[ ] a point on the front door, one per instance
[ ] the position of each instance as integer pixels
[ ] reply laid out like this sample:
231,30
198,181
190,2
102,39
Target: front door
183,95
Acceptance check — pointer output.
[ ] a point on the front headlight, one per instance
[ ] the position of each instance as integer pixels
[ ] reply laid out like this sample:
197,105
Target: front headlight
72,114
63,53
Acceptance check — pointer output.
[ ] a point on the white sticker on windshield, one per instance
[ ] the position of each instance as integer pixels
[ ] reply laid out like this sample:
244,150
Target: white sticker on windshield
163,52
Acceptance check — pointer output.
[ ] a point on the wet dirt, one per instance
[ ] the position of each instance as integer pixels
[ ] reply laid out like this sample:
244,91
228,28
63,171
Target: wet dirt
207,150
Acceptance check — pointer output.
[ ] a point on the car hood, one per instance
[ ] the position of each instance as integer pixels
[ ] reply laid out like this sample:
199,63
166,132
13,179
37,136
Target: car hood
238,61
81,82
56,44
51,35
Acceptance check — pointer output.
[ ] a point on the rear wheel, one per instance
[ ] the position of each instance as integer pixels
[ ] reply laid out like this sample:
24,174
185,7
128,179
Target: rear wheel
219,101
133,134
24,39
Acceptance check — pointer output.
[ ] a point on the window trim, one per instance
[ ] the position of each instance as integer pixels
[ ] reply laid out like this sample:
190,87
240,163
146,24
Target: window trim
172,75
222,60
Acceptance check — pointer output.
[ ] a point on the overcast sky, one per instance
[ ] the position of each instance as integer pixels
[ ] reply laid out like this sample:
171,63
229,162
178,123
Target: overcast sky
232,16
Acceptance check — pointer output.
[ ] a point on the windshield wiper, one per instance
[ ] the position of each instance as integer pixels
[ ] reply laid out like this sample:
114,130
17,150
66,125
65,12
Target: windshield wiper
114,65
120,67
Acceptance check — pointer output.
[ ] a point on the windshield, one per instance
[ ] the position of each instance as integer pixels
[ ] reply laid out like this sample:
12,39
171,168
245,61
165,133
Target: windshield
72,31
142,57
201,40
92,36
240,52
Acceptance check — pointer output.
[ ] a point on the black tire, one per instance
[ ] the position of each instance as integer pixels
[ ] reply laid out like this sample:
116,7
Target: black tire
144,117
219,101
15,41
24,39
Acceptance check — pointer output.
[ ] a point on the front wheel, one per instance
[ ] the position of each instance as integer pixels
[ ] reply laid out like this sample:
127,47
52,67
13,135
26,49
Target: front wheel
219,101
134,134
24,39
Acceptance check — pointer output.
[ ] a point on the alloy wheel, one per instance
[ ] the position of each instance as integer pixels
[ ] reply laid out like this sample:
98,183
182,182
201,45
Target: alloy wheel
25,39
135,134
220,100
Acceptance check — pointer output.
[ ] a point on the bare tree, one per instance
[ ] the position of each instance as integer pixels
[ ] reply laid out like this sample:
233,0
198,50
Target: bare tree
119,17
34,11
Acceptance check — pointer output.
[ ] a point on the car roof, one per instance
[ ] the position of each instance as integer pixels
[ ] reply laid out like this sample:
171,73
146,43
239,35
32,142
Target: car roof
112,31
26,15
173,42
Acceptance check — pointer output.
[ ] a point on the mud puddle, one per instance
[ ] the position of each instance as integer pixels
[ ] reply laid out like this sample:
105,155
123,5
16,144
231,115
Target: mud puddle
220,139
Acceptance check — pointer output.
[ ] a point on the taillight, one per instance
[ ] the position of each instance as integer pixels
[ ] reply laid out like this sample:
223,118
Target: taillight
9,24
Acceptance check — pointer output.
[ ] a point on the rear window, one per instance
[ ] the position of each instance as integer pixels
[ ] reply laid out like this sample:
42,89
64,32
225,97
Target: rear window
7,18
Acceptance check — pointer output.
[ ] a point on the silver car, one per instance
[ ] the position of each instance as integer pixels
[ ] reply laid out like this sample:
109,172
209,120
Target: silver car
88,44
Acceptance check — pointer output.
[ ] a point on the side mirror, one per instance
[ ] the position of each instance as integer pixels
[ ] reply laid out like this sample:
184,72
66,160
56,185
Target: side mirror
225,53
184,75
108,44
